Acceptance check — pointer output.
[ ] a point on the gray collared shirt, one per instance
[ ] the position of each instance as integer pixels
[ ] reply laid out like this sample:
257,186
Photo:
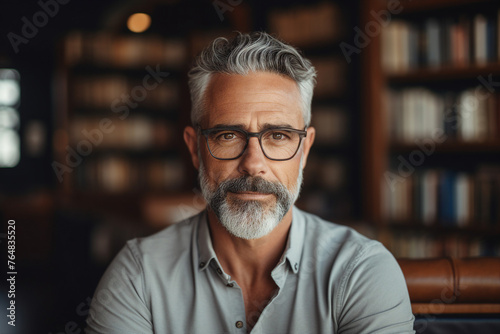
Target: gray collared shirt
330,279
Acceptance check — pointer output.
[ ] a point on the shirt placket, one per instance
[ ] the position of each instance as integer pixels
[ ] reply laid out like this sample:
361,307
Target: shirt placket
279,276
236,305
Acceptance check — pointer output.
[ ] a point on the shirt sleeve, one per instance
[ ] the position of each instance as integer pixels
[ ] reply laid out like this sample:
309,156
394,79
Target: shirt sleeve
119,305
373,297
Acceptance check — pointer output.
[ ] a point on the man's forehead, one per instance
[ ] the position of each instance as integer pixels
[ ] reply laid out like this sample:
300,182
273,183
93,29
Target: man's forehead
261,119
259,98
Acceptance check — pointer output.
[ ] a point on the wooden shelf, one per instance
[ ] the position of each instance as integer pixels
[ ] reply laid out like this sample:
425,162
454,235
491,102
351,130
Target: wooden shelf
438,228
142,207
143,109
166,151
442,74
343,147
123,196
328,99
453,146
443,308
87,68
417,6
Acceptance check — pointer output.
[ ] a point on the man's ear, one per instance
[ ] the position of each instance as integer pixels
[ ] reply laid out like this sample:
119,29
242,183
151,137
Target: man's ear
191,140
308,141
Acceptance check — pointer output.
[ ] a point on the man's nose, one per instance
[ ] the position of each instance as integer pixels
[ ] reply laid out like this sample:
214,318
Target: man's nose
253,162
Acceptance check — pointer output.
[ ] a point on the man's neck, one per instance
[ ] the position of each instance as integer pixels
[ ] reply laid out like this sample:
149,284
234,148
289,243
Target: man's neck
249,261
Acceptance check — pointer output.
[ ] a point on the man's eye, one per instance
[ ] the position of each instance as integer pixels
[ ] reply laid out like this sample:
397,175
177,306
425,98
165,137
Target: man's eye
226,136
279,136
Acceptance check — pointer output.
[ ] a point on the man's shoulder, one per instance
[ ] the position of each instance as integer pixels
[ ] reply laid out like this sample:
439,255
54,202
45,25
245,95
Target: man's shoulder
319,231
341,248
174,238
319,226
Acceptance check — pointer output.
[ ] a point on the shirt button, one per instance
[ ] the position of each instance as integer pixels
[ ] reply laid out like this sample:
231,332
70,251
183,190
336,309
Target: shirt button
239,324
219,271
230,285
296,266
202,264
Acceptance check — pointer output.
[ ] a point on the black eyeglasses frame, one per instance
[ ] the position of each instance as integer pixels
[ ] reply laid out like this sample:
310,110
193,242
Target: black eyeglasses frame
258,135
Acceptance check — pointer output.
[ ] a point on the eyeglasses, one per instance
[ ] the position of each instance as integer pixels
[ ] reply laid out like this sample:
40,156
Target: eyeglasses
277,144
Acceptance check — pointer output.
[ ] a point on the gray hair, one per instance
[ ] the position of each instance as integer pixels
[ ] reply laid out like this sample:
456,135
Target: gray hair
250,53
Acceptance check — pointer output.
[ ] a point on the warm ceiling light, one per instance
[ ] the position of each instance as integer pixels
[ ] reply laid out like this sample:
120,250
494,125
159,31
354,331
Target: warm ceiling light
138,22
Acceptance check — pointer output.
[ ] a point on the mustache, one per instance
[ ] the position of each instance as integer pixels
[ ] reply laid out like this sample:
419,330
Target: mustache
253,184
247,183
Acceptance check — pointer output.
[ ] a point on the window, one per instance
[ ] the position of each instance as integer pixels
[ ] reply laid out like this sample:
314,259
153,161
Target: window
10,98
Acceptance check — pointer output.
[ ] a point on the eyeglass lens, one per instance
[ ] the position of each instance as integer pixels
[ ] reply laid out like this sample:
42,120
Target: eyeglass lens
276,144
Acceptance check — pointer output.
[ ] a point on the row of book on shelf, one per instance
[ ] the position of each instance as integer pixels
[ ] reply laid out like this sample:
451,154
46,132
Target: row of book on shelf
328,173
444,41
101,91
119,91
429,245
109,49
418,112
444,197
137,132
119,174
335,206
331,77
308,26
331,124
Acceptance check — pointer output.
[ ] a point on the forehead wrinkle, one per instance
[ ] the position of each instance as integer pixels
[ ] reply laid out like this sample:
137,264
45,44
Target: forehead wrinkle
238,112
230,105
228,96
272,118
282,99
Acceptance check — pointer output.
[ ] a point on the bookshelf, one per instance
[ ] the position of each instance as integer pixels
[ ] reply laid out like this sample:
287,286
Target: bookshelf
119,105
432,129
122,102
330,187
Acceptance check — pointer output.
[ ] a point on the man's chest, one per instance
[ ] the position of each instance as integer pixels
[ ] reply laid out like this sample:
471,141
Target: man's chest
256,299
207,306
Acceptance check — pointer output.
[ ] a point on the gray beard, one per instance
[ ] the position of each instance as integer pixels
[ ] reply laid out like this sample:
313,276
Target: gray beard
249,219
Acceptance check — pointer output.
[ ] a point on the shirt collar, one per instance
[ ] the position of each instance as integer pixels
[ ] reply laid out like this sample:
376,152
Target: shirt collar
206,250
293,249
295,243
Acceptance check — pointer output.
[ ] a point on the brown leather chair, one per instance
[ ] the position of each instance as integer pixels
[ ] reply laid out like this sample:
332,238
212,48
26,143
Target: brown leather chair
450,295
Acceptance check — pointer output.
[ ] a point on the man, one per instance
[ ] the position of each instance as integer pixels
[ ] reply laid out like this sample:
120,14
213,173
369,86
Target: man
252,262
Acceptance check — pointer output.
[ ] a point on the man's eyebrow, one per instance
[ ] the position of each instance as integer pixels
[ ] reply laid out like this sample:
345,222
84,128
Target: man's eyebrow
266,126
232,126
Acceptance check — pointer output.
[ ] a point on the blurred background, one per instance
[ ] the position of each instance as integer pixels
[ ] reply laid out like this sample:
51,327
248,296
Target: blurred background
94,98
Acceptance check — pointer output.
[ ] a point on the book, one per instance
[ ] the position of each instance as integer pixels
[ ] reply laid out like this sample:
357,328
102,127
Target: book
452,40
331,124
434,46
429,197
480,40
417,113
308,25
